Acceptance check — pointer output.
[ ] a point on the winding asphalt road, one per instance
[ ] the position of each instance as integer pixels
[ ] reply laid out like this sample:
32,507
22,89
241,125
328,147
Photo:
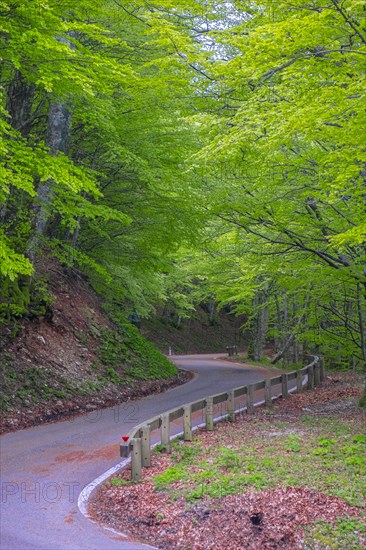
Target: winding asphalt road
44,469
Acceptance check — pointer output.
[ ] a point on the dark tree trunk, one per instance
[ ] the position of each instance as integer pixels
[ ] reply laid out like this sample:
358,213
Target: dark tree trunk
361,297
58,137
20,103
259,325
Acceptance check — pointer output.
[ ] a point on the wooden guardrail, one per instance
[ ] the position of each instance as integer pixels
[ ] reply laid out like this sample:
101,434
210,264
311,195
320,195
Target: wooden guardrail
137,442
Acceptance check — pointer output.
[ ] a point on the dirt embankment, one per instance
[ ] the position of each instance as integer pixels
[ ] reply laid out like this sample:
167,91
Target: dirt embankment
54,367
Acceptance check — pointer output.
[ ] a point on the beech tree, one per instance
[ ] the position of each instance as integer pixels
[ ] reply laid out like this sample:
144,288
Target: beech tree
157,144
284,164
93,101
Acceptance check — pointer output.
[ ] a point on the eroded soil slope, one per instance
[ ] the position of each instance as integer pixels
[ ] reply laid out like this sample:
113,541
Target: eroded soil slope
74,359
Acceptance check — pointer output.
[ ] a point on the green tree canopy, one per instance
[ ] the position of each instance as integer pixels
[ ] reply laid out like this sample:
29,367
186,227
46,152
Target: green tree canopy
283,169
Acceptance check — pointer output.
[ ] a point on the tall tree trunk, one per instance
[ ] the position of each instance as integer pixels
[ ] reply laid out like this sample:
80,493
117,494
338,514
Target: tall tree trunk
361,297
277,323
211,310
259,325
20,103
57,139
58,136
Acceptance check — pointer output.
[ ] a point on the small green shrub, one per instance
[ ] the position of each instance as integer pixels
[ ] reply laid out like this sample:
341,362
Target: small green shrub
84,338
293,443
228,459
118,482
160,448
172,474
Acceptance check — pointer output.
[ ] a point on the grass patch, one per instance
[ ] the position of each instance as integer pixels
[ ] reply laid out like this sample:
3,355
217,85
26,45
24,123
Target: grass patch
346,533
266,361
118,482
328,457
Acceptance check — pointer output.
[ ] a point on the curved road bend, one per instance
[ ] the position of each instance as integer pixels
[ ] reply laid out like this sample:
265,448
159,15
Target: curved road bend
43,469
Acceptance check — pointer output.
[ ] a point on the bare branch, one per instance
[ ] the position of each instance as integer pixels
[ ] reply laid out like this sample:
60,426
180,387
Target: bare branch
348,21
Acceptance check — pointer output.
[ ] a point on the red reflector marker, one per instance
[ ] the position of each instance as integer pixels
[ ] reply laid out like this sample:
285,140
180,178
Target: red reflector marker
125,437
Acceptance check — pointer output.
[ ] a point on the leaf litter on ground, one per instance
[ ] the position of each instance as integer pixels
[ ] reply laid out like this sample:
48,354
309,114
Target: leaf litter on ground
275,479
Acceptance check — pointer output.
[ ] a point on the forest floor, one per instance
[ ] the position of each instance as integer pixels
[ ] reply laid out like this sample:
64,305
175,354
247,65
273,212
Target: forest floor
293,477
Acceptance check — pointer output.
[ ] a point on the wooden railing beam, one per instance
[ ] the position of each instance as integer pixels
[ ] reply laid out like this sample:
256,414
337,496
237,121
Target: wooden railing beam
139,444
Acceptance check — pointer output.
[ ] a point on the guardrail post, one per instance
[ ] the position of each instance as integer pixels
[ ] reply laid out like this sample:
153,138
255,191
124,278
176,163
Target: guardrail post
124,449
250,399
136,462
284,382
299,380
231,406
268,393
165,432
209,414
146,446
317,374
321,369
187,423
311,377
